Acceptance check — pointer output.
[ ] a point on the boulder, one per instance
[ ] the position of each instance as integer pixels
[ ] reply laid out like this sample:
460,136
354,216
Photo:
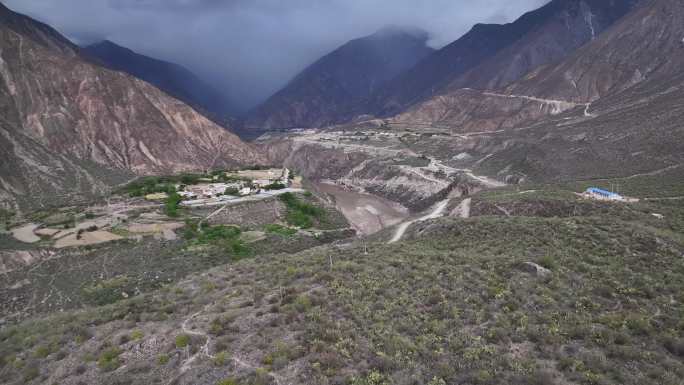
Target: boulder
537,270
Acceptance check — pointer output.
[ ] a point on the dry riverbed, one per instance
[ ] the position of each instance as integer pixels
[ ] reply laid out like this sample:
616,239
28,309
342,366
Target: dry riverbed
367,213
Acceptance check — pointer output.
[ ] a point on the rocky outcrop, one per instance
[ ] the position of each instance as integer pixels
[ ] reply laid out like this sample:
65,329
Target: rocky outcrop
70,128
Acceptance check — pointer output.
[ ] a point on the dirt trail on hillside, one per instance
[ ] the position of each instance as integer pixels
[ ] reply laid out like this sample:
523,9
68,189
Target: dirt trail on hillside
436,213
463,209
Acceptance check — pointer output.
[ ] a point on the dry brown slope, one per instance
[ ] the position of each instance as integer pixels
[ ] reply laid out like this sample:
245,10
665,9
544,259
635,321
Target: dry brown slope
645,45
56,103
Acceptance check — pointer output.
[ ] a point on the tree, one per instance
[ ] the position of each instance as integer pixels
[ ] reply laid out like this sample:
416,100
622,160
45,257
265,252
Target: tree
171,205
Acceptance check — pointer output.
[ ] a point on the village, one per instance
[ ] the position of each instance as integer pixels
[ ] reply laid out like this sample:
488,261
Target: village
135,211
233,186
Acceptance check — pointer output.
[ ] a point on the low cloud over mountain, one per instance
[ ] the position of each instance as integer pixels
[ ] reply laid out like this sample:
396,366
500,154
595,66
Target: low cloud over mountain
252,48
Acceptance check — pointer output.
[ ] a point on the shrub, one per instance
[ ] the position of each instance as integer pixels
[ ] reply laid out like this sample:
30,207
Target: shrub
163,359
373,378
42,351
302,303
220,359
299,219
106,292
300,213
280,230
31,372
137,335
81,335
109,360
275,186
171,204
548,262
182,340
226,237
639,325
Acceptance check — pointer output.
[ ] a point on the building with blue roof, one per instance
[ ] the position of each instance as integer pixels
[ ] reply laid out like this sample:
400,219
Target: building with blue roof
604,194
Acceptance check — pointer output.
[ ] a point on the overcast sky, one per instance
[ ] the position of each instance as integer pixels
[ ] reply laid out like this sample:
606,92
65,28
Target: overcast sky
250,48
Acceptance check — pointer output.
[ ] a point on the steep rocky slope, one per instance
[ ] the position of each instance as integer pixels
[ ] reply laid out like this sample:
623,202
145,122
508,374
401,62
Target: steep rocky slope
171,78
325,92
64,117
491,55
645,46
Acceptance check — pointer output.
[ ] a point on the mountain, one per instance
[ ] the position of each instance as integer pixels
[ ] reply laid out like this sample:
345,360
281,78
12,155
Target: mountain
70,128
171,78
613,108
621,57
490,55
326,91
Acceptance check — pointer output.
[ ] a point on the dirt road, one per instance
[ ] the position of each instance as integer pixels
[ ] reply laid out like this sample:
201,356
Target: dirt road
436,213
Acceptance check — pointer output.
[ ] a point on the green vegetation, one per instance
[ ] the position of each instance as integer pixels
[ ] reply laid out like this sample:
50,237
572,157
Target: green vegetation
455,303
227,381
275,186
153,184
453,306
171,204
182,341
280,230
221,359
6,215
163,359
137,335
226,238
106,291
45,350
299,213
166,184
109,360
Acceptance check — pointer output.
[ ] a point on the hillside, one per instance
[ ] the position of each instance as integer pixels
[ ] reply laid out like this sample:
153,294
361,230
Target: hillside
325,91
612,108
71,128
553,296
171,78
490,56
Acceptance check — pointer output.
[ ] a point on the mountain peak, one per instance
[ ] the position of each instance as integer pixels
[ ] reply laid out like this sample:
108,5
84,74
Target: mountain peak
393,30
39,32
108,46
326,91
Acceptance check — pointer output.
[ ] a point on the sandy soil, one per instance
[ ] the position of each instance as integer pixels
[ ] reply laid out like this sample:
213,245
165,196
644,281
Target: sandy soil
367,213
154,227
47,232
25,233
87,238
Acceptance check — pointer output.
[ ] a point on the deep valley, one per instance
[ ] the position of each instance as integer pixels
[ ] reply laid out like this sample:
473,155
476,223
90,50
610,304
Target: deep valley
506,209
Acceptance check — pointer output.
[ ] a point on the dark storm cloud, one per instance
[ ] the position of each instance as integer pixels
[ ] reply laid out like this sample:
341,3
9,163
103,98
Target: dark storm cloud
249,48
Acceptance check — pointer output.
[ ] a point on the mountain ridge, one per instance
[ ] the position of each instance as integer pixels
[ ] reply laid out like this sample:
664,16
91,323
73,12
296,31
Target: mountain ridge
326,90
65,118
171,78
